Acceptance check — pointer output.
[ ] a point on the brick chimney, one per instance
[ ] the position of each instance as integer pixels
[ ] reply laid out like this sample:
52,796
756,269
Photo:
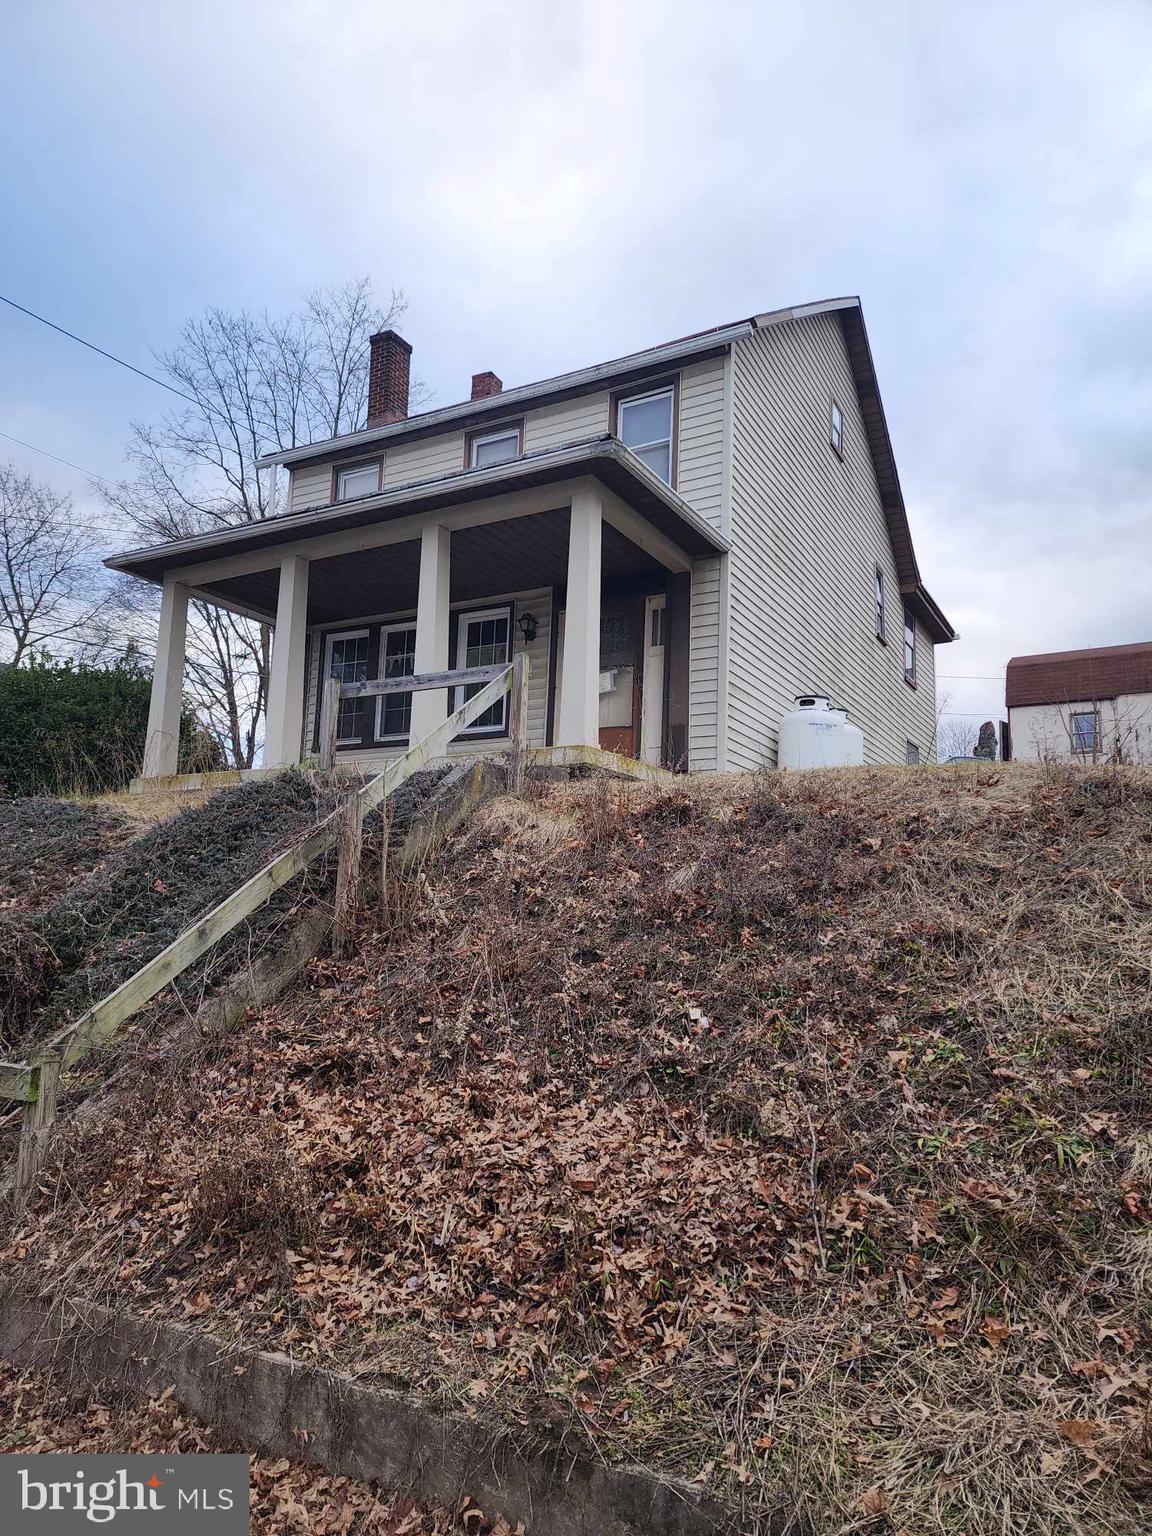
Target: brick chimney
389,365
485,384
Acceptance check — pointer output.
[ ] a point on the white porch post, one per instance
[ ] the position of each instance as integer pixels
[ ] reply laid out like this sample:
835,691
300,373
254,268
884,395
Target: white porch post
162,745
430,707
284,725
579,723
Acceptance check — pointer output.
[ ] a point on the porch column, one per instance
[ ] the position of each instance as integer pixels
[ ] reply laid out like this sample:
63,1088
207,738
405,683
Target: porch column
284,725
430,707
162,744
579,723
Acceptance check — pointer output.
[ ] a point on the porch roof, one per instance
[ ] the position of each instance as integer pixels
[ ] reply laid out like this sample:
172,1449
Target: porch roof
603,457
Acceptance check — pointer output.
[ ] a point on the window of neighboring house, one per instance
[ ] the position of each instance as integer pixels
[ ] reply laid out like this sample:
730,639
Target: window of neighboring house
397,659
484,639
880,627
1085,727
911,754
909,647
347,655
644,424
359,480
836,430
496,447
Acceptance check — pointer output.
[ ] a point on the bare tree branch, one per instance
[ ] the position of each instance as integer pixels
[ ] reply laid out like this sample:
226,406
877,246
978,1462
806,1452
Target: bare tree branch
260,383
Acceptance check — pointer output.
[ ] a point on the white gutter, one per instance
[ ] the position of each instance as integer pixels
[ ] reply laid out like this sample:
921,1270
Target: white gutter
509,398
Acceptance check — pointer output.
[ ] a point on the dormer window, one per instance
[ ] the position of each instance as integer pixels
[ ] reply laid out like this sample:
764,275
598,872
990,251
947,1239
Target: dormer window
496,446
644,424
359,480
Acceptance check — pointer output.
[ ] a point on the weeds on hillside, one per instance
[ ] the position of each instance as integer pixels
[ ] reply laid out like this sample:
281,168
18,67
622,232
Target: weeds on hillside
791,1132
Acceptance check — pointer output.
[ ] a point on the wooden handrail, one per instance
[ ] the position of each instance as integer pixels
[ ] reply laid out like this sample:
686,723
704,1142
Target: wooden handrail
421,681
20,1080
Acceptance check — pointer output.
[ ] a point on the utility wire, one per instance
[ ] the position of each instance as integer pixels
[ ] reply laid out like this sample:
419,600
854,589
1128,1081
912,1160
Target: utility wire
111,356
91,473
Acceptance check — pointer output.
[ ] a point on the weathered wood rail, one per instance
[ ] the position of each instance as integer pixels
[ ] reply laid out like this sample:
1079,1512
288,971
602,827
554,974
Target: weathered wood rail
34,1082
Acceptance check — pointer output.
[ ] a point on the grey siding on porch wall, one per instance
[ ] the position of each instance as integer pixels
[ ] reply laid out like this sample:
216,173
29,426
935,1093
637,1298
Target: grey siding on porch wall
807,534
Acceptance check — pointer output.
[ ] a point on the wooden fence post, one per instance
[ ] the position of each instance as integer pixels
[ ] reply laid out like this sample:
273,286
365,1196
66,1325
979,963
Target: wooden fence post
518,721
39,1118
347,874
329,715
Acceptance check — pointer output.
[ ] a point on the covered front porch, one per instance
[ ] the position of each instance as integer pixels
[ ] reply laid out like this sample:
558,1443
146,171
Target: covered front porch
591,583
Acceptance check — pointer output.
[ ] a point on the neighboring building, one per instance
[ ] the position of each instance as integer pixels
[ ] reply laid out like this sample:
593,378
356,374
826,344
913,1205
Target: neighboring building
1082,706
683,539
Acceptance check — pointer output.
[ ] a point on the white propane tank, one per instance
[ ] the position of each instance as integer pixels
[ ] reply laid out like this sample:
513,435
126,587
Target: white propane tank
814,735
853,745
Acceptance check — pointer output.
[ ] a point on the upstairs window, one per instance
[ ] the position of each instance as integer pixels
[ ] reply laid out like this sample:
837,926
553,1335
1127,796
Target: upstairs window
836,430
495,447
909,647
644,424
1085,727
880,631
397,659
358,480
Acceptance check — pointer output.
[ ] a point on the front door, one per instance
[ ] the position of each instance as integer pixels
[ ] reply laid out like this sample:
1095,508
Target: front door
652,694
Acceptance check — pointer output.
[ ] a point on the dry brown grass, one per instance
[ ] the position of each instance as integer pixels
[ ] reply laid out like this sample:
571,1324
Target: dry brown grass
791,1131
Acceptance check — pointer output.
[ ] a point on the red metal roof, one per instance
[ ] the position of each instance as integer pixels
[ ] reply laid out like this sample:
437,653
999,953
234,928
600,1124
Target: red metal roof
1064,677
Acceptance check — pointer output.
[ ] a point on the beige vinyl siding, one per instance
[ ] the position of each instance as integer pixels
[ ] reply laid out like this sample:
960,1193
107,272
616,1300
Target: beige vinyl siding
423,458
700,457
537,603
552,425
310,486
704,666
807,534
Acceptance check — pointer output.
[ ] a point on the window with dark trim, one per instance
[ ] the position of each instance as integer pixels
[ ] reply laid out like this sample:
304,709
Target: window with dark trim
909,646
911,754
836,430
1084,725
397,659
880,626
358,480
645,423
346,655
495,445
483,639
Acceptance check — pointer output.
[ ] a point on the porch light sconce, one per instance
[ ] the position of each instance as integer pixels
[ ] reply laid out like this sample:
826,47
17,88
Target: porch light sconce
527,625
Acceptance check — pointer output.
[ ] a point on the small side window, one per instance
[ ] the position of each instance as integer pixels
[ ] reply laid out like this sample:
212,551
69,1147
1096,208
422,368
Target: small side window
1085,726
909,647
880,626
836,430
911,754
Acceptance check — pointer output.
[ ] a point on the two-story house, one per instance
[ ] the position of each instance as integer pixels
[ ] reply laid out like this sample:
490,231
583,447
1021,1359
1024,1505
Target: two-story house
683,540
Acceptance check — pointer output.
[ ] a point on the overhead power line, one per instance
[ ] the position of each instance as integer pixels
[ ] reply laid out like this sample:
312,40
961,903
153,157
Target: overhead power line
111,356
91,473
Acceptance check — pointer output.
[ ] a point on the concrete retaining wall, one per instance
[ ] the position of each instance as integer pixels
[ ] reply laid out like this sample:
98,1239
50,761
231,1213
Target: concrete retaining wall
286,1409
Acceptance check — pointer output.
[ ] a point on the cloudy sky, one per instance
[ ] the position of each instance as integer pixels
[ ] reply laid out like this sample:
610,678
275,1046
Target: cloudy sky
552,185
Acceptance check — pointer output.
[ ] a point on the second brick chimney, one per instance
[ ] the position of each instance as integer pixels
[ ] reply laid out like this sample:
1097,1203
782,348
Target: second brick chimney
389,365
485,384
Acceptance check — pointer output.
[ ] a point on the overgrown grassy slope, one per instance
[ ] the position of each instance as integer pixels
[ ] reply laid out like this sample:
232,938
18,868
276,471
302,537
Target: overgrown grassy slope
789,1131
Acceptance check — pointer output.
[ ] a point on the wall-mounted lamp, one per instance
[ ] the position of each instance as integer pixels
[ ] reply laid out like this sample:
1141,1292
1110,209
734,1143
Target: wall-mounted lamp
527,624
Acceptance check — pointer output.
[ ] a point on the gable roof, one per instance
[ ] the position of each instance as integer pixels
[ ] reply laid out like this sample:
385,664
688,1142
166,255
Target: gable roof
635,365
1067,677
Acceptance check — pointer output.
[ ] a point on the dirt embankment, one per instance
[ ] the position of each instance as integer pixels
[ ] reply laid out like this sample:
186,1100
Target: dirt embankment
791,1132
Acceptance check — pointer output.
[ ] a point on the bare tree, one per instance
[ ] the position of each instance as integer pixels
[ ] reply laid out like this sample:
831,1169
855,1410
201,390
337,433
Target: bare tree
254,384
52,588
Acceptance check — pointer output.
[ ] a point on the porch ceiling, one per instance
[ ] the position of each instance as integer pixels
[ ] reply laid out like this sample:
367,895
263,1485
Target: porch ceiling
516,555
